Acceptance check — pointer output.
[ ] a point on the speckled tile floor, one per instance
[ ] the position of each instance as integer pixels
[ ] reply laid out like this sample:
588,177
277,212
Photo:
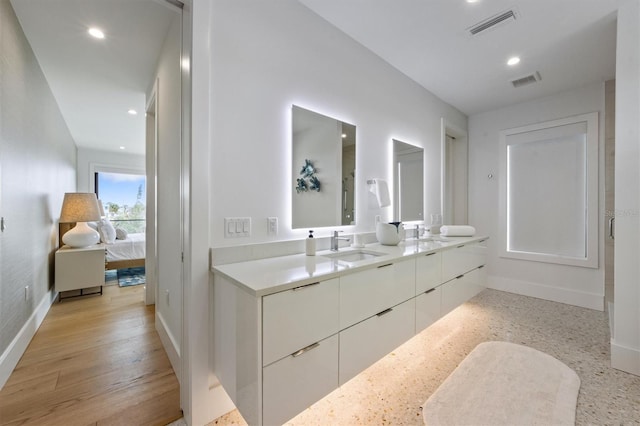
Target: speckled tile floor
392,390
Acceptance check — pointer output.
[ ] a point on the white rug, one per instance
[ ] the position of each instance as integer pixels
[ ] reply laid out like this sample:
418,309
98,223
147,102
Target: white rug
501,383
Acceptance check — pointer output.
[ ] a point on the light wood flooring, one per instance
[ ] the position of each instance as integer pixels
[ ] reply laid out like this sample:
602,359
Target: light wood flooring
96,360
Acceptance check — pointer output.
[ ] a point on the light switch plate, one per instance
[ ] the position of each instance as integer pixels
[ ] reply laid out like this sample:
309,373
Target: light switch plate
272,226
237,227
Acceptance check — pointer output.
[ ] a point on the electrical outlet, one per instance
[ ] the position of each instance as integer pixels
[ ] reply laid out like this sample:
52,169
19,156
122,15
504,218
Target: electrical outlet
272,226
168,300
26,293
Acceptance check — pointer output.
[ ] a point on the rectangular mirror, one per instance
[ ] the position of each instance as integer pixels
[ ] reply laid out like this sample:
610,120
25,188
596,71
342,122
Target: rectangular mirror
408,182
324,167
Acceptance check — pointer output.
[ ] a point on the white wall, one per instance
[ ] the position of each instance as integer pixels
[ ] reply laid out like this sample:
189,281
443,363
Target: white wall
625,343
37,166
267,56
169,193
573,285
89,159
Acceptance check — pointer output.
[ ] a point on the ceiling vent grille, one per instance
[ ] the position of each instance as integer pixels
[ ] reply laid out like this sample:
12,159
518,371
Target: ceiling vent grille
527,79
492,22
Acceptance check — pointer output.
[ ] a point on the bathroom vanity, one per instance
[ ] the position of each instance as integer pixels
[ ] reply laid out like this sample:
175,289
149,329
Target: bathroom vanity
289,330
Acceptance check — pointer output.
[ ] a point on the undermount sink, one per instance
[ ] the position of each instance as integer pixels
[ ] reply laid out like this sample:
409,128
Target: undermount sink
354,255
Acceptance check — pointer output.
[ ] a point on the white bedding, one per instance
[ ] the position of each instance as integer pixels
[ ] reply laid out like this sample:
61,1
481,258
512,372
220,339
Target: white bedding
133,247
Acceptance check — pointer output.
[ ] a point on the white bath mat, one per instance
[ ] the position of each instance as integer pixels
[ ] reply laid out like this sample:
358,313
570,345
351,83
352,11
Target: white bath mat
501,383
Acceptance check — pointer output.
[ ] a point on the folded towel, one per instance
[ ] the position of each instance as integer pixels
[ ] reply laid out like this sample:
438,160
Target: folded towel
380,189
457,231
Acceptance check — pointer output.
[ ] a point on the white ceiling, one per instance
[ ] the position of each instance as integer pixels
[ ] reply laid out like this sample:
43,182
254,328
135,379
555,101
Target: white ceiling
96,82
569,42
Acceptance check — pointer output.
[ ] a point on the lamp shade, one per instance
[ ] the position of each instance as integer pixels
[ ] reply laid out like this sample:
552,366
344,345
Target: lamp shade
79,207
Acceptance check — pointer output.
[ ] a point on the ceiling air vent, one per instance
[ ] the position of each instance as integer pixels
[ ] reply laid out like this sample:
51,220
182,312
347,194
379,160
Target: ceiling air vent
492,22
527,79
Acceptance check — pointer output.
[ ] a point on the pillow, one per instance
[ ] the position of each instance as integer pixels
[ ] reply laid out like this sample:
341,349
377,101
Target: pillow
121,234
107,231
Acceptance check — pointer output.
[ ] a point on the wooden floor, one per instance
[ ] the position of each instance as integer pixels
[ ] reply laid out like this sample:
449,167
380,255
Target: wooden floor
96,360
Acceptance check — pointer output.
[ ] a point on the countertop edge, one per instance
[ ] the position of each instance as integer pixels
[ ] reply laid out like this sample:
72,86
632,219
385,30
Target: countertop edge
277,287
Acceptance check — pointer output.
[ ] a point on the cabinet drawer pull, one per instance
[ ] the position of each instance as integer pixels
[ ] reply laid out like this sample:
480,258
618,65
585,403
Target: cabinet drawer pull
386,311
307,349
430,290
459,276
302,287
481,266
430,254
384,266
460,246
482,241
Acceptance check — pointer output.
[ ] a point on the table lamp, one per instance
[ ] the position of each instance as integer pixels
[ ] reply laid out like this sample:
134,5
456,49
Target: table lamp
80,207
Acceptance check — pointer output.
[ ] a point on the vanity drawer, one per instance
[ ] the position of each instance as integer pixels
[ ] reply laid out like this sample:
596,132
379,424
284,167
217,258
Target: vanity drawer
366,293
462,259
461,289
296,318
428,272
368,341
297,381
428,308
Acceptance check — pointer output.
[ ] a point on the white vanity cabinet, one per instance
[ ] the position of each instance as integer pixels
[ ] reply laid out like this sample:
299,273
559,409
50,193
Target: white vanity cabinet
428,308
463,273
297,318
297,381
462,288
428,271
369,292
463,258
364,343
428,291
278,349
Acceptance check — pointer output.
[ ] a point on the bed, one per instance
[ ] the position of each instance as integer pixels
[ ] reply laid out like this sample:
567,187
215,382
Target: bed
127,253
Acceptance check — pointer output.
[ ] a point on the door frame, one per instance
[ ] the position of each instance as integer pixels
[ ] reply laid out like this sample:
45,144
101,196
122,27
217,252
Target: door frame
151,158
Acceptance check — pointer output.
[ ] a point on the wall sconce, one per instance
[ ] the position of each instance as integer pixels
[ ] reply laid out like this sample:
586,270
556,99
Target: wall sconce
80,207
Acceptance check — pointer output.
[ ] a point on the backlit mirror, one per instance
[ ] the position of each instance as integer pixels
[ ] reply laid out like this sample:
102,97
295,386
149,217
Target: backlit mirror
324,167
408,182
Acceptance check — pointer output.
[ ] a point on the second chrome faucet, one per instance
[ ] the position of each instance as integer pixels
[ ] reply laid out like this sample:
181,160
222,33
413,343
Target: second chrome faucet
335,239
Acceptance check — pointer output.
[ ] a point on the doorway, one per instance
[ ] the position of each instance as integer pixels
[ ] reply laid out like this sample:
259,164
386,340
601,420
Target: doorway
454,181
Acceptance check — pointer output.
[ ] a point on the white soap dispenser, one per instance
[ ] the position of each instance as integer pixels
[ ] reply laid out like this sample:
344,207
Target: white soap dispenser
310,245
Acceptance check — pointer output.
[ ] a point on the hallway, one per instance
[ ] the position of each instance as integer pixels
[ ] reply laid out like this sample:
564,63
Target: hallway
96,360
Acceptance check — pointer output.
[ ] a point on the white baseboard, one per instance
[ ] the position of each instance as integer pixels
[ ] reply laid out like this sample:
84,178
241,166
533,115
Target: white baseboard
625,359
10,357
170,346
541,291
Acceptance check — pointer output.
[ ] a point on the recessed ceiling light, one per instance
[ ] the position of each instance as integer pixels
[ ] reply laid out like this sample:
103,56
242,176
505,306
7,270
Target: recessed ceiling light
513,61
97,33
344,135
132,112
122,147
472,1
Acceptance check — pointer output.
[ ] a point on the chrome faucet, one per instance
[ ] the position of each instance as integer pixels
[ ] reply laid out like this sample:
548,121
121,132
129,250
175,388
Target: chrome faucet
335,239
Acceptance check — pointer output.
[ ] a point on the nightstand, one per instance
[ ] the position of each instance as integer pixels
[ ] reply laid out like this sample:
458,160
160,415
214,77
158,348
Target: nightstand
79,268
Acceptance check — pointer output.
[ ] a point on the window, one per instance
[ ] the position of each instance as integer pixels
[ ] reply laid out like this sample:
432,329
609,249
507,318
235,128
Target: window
123,197
549,191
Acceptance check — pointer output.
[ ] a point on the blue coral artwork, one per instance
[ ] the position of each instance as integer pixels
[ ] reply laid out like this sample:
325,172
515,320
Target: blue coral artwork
309,180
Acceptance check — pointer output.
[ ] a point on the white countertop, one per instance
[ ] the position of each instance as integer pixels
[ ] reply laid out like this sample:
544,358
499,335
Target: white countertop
271,275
